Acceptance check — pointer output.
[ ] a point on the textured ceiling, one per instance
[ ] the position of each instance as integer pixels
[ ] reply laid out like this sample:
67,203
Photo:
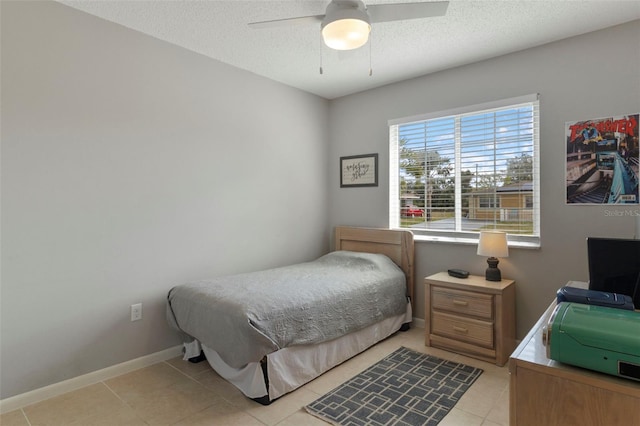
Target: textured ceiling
470,31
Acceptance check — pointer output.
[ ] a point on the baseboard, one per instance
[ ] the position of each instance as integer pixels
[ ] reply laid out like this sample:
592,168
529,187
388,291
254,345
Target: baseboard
31,397
417,322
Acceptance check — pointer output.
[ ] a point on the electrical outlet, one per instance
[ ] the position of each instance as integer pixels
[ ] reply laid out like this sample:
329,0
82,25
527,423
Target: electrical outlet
136,312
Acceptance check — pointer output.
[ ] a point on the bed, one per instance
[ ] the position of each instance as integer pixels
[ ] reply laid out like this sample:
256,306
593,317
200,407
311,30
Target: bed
270,332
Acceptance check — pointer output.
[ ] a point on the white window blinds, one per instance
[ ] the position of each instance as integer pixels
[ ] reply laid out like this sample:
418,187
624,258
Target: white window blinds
457,172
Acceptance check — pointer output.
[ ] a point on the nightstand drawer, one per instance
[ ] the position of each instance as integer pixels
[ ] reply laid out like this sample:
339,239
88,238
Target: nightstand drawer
463,302
463,329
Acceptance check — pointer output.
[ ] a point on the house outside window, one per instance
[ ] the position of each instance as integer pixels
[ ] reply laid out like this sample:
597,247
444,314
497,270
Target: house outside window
468,169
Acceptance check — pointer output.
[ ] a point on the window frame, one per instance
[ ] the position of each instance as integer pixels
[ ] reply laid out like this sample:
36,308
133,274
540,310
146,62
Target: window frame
459,236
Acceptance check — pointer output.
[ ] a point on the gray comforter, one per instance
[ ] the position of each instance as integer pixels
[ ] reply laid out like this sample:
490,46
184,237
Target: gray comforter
245,317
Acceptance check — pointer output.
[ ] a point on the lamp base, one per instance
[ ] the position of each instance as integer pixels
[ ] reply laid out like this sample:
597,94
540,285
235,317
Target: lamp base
493,273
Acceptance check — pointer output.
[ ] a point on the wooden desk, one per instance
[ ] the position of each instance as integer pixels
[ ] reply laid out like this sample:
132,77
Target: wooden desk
546,392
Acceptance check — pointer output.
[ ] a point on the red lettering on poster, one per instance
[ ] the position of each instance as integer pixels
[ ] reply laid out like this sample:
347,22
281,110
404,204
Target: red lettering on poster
626,125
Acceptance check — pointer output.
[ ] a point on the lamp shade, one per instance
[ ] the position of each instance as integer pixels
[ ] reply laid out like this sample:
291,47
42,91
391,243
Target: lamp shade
345,26
493,244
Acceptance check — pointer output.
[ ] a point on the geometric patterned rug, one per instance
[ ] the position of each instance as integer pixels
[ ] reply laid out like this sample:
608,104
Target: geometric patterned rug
405,388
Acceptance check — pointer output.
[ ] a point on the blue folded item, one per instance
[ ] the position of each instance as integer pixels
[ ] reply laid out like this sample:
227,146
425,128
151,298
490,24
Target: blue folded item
594,297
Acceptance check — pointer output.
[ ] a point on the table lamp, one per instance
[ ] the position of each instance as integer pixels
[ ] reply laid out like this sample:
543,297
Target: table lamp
494,245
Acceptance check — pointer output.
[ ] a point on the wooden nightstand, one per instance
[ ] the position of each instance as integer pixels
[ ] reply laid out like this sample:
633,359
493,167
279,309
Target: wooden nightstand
471,316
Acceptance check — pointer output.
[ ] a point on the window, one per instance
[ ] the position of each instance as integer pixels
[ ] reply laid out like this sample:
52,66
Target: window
468,169
487,202
528,202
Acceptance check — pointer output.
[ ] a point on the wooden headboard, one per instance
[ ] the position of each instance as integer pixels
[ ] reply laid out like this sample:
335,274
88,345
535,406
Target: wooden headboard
396,244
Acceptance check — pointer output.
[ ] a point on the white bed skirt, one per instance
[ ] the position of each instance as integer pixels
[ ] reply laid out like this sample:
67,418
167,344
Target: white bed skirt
292,367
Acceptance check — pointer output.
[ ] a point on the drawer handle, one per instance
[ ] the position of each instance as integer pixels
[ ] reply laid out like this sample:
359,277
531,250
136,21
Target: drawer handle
460,329
460,302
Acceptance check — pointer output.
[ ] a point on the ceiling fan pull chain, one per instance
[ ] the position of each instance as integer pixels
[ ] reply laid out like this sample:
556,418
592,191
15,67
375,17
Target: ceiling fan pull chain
370,67
321,72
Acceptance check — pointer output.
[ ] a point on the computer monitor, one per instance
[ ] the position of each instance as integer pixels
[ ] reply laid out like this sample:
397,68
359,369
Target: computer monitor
614,266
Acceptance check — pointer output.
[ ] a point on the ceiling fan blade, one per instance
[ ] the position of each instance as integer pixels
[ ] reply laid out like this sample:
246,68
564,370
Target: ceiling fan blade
302,20
403,11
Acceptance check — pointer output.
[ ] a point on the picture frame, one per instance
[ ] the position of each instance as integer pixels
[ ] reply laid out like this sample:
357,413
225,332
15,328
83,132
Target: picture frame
359,171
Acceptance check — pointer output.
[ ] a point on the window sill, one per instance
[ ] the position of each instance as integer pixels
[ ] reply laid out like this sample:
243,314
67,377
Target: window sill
448,239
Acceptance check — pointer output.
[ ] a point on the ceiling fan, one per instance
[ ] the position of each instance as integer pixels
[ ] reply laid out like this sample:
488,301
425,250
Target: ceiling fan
346,23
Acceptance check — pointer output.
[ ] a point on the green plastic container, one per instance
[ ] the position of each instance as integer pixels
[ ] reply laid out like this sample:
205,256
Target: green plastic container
595,337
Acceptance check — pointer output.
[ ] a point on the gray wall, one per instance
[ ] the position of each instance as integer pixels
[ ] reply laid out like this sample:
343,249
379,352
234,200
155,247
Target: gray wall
130,165
591,76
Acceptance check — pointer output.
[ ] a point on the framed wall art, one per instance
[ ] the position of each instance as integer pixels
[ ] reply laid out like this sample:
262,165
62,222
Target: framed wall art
359,170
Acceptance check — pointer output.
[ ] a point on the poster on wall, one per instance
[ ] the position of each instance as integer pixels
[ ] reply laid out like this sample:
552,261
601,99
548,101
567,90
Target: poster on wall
602,161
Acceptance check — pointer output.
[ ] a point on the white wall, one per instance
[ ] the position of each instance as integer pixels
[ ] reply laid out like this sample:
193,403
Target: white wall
130,165
591,76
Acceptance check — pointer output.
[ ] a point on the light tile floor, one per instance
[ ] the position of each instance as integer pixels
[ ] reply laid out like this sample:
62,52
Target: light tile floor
177,392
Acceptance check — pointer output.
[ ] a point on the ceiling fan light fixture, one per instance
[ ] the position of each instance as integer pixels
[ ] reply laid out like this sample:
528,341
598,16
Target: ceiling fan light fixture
346,25
346,34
